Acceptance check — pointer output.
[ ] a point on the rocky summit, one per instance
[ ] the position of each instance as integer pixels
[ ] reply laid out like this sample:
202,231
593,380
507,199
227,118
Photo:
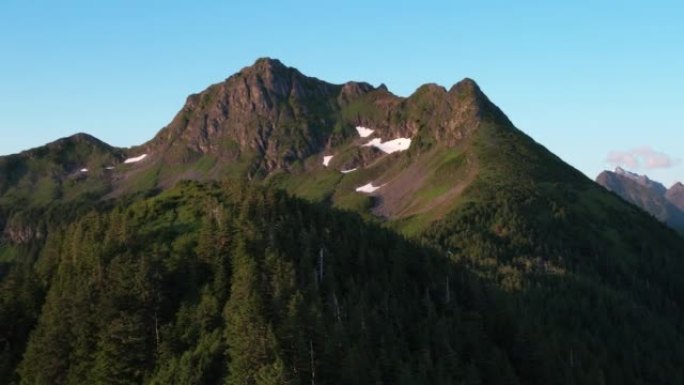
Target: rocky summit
665,204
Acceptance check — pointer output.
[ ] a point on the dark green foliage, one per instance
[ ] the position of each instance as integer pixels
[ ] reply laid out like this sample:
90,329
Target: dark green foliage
595,278
215,285
218,284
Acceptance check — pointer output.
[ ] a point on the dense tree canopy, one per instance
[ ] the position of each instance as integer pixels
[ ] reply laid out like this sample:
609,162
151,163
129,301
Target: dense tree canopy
217,284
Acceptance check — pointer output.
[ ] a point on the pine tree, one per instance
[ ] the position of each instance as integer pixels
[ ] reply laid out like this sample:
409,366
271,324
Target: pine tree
252,346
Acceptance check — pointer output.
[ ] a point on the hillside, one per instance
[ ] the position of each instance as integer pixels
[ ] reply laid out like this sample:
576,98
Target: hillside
206,284
67,169
339,234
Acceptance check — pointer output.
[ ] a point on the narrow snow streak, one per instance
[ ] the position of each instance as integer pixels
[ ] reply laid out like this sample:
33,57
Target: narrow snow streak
368,188
84,170
395,145
364,132
326,160
348,171
136,159
109,168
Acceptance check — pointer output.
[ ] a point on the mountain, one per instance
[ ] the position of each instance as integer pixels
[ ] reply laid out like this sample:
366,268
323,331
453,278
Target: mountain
282,229
57,171
652,197
275,125
675,195
269,122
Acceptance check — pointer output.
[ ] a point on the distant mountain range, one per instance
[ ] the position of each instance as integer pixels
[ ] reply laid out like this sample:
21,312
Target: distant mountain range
665,204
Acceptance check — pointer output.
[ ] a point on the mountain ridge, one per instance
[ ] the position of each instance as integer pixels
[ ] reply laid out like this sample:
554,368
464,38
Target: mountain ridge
651,196
269,119
283,229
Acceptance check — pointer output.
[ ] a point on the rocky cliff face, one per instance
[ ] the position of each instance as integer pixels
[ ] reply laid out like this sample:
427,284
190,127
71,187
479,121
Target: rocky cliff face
279,116
675,195
266,109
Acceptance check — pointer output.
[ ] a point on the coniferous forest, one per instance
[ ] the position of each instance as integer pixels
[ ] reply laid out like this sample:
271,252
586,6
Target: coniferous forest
218,284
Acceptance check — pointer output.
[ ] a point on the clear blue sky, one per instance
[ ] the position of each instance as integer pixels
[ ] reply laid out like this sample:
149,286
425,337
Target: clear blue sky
584,78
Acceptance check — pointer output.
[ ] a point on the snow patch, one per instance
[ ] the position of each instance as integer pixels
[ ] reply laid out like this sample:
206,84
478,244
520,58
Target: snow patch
374,142
368,188
364,132
326,160
84,170
136,159
109,168
395,145
348,171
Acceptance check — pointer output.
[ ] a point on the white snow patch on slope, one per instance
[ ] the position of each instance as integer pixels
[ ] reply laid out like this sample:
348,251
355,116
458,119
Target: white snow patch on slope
84,170
326,160
348,171
109,168
364,132
368,188
399,144
374,142
136,159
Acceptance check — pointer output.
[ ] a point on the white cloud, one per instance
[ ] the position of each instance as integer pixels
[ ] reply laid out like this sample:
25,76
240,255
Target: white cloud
639,157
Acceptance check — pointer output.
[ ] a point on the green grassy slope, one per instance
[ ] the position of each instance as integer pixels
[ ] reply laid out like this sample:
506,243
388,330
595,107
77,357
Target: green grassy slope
51,173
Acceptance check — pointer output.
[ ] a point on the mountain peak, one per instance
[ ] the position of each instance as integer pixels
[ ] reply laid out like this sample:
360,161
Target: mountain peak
622,171
466,84
643,180
650,195
676,195
268,61
353,90
468,89
468,100
270,74
266,65
431,88
75,139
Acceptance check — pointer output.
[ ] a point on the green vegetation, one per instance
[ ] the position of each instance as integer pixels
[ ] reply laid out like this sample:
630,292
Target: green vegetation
225,284
485,260
317,186
213,284
41,176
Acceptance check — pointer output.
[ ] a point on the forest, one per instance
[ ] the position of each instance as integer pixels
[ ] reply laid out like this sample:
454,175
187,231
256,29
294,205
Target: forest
218,283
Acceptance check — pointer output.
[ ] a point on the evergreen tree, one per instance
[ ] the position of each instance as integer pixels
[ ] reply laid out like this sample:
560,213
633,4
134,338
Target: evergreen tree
252,347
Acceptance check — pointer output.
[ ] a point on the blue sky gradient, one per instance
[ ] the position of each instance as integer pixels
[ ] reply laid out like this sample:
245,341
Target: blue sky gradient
584,78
